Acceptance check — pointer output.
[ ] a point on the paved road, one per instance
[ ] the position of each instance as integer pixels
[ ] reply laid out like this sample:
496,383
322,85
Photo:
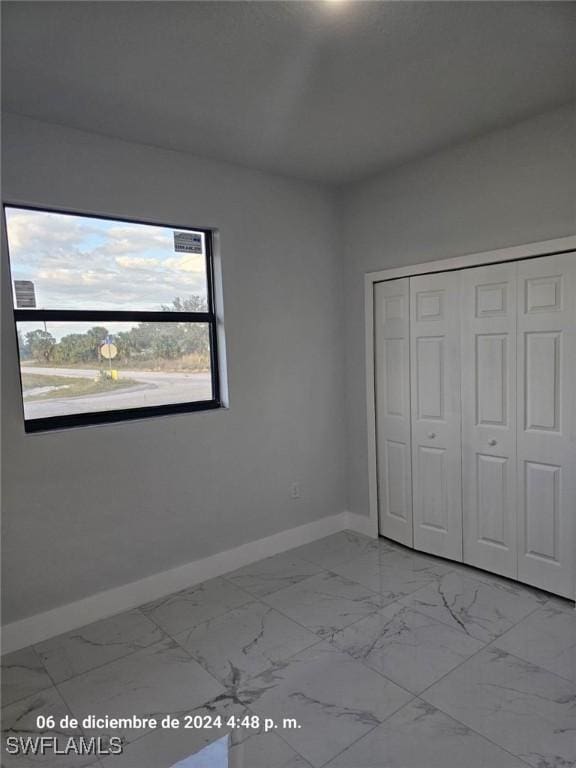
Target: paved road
153,388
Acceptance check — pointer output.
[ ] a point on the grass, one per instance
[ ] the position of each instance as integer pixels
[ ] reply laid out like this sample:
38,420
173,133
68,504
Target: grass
192,363
69,386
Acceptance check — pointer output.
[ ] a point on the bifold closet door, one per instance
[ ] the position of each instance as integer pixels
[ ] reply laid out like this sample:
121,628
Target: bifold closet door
488,311
547,423
392,382
435,400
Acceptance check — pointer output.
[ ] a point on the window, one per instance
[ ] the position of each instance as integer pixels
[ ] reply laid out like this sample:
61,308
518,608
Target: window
115,319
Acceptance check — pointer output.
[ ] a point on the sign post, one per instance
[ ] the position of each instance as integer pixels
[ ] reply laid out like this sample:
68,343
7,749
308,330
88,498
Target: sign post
109,350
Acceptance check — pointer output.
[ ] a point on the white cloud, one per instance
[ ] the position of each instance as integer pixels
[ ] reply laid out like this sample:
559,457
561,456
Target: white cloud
83,263
188,262
135,238
33,230
129,262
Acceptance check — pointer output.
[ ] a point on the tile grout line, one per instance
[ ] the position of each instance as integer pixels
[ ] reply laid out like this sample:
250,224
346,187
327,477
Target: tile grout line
211,674
418,696
527,661
571,683
317,641
249,594
473,730
293,748
451,717
167,635
413,696
54,687
480,650
138,608
56,684
425,616
338,650
442,621
464,661
35,693
258,599
484,647
365,735
312,645
182,648
255,598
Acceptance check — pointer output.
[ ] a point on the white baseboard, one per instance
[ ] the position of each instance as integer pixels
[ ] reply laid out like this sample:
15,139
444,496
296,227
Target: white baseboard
40,627
363,524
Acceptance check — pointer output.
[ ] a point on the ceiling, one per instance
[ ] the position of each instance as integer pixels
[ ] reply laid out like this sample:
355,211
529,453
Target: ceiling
326,91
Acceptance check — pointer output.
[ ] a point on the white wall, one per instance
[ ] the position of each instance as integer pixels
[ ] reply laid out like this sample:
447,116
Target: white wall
510,187
91,508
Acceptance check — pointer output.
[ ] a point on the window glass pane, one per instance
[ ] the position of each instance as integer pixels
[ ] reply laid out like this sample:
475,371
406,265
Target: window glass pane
83,367
61,261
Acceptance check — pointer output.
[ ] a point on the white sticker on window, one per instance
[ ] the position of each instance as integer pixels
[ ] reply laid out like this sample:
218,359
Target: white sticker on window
188,242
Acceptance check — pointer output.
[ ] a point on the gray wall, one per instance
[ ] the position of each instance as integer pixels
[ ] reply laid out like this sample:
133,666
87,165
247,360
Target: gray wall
509,187
184,487
92,508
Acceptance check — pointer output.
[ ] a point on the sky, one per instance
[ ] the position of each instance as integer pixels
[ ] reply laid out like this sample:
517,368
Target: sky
77,262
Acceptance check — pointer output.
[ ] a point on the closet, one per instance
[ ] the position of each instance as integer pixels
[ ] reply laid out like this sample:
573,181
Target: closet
475,403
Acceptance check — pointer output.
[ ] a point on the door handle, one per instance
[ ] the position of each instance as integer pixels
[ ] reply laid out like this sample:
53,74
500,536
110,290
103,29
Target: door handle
492,442
431,435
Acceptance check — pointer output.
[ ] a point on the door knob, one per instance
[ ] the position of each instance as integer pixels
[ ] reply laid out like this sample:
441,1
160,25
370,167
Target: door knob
492,442
431,435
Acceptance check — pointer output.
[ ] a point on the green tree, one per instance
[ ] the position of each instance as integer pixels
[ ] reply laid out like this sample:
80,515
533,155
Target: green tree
191,304
23,347
144,342
80,347
192,338
165,348
40,343
97,334
124,344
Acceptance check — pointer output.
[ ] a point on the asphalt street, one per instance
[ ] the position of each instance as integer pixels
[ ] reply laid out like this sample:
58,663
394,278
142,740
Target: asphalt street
153,388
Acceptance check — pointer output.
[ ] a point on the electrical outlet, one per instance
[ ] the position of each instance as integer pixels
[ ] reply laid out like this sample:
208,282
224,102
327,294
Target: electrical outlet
295,490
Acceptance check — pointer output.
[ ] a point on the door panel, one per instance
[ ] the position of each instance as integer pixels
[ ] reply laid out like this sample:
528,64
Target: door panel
396,390
492,475
488,417
542,484
542,380
435,390
547,423
492,372
430,377
433,498
392,386
397,467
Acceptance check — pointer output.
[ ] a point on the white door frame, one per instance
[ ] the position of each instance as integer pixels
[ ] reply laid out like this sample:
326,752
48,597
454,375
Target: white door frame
513,253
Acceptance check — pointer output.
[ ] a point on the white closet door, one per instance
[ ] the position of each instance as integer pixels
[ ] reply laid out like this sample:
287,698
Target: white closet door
392,374
435,396
489,418
547,423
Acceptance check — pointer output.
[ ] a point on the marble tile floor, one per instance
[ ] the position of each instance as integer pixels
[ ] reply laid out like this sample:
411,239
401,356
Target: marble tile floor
377,657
